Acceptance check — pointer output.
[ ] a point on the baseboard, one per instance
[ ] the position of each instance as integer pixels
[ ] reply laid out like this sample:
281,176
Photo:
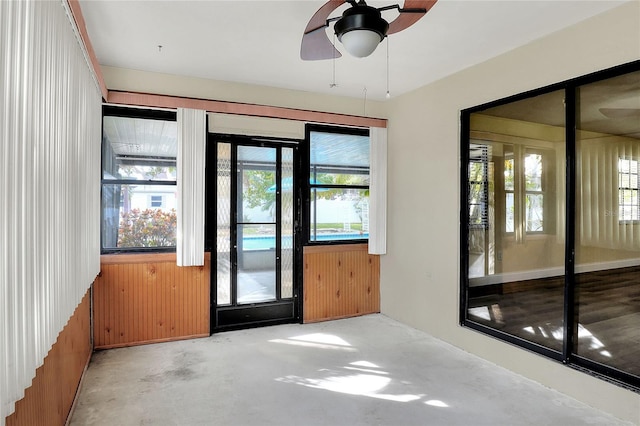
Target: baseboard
77,395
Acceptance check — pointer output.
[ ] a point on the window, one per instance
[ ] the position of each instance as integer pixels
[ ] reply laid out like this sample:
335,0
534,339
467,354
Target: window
628,203
338,208
156,201
139,151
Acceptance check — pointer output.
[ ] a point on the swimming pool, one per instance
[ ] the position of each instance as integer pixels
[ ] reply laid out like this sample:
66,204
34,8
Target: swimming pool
265,242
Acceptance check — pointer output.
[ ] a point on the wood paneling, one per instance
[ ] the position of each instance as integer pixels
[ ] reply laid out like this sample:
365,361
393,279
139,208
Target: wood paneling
340,281
145,298
49,399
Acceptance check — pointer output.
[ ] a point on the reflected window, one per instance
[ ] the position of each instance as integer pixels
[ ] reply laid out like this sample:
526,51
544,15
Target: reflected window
628,204
525,180
139,174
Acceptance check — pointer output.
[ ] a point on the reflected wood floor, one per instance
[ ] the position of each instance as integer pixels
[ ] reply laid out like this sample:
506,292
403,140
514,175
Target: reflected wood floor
607,308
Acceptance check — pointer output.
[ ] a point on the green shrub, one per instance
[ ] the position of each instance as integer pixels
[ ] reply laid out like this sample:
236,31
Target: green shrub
148,228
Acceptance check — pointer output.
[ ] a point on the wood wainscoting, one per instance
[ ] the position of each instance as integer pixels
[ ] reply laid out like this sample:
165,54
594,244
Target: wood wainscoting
340,281
50,397
147,298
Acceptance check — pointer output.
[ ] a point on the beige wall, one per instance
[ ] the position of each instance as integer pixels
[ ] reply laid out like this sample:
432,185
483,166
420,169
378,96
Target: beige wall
419,274
167,84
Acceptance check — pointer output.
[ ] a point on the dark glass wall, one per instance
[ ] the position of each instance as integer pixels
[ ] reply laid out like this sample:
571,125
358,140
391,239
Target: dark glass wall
550,233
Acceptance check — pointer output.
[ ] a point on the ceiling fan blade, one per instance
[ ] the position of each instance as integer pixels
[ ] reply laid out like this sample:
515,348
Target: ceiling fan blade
315,43
405,20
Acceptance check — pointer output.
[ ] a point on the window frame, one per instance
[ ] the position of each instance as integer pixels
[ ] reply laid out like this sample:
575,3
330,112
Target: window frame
307,186
109,110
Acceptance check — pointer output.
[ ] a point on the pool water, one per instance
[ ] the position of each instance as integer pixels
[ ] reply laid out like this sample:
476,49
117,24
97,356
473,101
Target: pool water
265,242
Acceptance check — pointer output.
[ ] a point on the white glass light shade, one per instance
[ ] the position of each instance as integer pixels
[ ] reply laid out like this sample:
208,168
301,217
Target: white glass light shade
360,43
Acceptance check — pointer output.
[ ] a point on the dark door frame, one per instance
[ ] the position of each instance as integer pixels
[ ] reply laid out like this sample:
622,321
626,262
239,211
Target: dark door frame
263,313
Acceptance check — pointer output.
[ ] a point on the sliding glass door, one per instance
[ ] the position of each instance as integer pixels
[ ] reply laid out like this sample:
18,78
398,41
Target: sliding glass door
550,236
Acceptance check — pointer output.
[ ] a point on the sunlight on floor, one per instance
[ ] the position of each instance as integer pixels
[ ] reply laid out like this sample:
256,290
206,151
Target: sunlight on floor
436,403
370,381
317,340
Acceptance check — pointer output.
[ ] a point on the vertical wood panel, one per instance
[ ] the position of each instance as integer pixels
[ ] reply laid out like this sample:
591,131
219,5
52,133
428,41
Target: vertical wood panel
49,398
147,298
340,281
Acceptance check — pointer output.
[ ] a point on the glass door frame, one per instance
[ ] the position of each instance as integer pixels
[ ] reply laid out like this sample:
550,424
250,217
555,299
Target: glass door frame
245,315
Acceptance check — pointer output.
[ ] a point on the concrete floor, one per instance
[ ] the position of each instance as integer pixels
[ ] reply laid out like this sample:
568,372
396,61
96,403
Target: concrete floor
361,371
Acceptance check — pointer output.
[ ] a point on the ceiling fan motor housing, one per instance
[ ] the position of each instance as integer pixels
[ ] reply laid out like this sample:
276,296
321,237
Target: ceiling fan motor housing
361,17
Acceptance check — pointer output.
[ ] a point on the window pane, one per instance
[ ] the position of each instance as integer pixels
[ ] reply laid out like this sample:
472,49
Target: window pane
516,281
287,225
131,220
223,229
535,212
607,251
509,221
508,174
139,149
533,172
339,214
334,151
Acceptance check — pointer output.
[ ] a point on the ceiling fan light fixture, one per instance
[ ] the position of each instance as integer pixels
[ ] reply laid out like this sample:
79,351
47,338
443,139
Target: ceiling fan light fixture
360,29
360,43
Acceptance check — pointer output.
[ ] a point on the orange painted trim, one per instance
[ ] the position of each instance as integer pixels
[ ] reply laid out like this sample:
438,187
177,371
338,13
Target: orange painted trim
335,248
164,101
76,11
130,258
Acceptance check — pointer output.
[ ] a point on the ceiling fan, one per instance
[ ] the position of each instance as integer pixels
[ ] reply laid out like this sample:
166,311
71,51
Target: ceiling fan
360,28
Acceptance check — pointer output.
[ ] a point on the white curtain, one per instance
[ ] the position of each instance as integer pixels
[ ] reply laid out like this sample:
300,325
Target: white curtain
50,120
191,161
378,191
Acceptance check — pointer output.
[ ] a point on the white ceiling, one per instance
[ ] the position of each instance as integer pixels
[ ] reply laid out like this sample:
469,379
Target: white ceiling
258,42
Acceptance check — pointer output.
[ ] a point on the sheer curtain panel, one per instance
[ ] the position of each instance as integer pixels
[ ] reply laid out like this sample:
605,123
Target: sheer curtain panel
50,115
378,191
191,147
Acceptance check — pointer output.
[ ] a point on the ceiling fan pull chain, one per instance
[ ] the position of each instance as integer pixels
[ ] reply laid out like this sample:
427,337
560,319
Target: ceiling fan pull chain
334,84
388,93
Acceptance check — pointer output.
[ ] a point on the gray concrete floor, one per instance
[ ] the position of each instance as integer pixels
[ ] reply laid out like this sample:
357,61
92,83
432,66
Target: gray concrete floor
368,370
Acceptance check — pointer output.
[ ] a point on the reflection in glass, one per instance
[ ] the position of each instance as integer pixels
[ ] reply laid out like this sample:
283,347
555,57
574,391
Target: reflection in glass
607,242
516,251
